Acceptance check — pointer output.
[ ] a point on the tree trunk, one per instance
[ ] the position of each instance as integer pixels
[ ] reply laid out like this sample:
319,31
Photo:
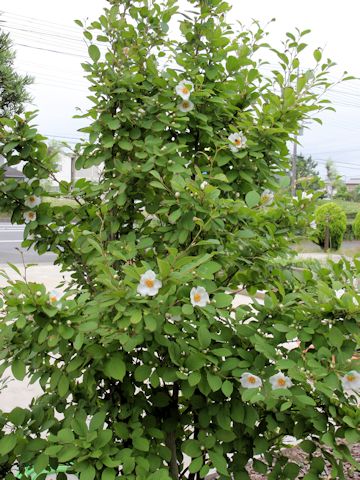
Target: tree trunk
171,444
327,238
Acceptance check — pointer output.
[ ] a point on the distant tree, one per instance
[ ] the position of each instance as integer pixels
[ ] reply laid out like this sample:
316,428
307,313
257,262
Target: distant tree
307,174
13,94
55,151
355,194
336,186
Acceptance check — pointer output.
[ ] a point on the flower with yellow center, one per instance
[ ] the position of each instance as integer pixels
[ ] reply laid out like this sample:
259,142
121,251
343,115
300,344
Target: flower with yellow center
149,285
29,216
199,297
237,141
186,106
351,381
54,297
32,201
248,380
184,89
279,380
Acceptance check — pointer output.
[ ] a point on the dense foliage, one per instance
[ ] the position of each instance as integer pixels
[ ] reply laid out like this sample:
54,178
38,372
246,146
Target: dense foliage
148,369
13,94
330,221
356,226
307,174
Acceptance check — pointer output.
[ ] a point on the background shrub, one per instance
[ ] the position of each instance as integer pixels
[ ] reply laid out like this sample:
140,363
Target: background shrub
333,217
356,226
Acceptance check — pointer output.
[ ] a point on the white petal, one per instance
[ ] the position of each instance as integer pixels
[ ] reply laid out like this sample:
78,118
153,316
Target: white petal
142,289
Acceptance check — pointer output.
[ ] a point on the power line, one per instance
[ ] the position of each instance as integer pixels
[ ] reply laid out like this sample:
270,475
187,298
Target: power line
38,21
50,50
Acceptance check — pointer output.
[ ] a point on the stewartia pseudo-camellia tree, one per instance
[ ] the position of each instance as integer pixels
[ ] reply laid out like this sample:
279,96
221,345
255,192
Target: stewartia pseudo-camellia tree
148,369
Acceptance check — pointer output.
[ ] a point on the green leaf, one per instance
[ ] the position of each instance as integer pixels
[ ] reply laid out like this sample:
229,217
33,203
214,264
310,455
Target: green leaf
94,53
108,474
222,300
191,448
214,382
204,336
125,145
18,369
97,421
336,338
317,55
252,199
141,444
219,463
194,378
115,367
208,269
88,473
227,388
67,453
7,443
63,385
196,464
41,462
164,267
308,446
150,323
232,64
142,372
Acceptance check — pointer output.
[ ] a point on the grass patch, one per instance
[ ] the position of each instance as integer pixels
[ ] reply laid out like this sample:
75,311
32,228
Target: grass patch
350,208
60,201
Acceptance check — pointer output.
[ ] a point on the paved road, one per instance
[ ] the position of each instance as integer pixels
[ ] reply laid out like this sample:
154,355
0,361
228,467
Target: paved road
11,237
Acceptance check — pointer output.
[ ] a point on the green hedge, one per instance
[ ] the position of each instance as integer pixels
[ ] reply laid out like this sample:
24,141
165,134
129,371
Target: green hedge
330,216
351,209
356,226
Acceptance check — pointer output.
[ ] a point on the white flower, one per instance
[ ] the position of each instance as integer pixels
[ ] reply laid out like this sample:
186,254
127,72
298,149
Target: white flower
204,184
267,198
339,293
313,225
126,51
29,216
355,302
351,381
248,380
290,440
237,141
54,297
184,89
186,106
306,196
32,201
149,285
279,380
199,297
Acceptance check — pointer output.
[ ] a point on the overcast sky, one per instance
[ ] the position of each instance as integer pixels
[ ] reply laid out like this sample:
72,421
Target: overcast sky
49,46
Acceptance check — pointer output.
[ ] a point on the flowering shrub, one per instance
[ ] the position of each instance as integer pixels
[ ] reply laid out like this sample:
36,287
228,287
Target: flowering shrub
330,220
148,370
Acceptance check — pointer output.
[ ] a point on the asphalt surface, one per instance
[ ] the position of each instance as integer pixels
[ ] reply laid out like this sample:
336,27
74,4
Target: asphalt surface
11,237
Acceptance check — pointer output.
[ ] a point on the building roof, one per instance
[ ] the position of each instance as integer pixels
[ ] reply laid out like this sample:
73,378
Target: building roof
11,172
